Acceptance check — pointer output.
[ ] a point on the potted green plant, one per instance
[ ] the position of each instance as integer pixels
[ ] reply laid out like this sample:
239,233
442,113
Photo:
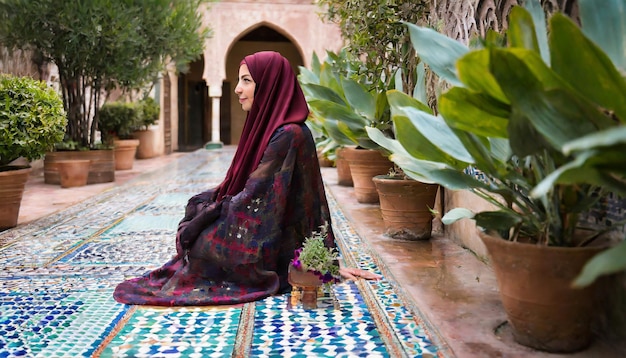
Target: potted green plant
501,132
313,266
118,121
148,115
32,120
345,108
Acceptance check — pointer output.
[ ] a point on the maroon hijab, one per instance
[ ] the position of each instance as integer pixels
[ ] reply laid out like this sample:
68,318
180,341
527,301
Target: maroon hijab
278,100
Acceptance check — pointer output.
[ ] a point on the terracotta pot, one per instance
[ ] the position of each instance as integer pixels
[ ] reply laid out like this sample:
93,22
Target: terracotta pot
324,161
365,164
125,150
405,207
73,173
147,144
102,168
534,282
307,285
344,177
12,183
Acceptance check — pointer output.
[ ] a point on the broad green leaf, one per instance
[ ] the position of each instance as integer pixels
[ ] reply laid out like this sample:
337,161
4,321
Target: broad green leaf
438,51
474,112
585,67
330,79
606,26
538,16
607,262
561,117
501,220
316,65
315,92
605,138
521,32
419,91
361,101
474,72
526,140
428,137
307,76
399,99
391,145
340,118
457,214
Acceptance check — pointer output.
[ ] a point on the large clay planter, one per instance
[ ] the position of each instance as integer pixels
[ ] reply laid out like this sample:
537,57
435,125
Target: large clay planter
307,284
73,173
545,313
344,177
405,206
102,168
125,150
365,164
12,183
146,148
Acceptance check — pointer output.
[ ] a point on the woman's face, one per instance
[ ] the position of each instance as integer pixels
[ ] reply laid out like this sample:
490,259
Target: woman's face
245,88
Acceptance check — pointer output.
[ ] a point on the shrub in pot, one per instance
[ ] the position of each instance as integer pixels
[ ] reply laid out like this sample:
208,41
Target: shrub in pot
32,120
149,111
117,123
503,133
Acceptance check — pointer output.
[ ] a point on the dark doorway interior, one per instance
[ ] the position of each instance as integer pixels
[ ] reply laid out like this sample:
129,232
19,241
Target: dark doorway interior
193,106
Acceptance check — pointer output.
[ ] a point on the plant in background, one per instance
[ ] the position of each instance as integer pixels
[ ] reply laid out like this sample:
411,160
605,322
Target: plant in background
315,257
149,111
101,45
32,119
119,120
374,33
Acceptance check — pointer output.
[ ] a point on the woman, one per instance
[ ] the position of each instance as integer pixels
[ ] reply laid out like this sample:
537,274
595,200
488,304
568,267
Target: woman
235,241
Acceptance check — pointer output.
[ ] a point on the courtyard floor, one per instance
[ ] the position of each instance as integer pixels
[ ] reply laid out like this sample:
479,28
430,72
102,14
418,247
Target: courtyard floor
59,266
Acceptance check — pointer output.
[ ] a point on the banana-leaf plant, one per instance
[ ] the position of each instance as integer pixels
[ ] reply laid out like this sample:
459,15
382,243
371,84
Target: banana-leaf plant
343,103
506,126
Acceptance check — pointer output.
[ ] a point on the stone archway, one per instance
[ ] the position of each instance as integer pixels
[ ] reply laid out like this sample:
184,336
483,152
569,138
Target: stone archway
261,37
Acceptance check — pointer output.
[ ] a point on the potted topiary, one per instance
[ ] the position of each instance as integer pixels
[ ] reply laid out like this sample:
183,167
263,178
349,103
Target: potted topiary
117,122
503,134
149,112
32,120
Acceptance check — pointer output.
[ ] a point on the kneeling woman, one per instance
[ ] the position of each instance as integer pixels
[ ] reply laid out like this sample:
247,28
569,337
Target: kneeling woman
236,240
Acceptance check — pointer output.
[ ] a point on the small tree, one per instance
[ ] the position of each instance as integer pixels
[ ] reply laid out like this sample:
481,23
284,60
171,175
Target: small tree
374,32
100,45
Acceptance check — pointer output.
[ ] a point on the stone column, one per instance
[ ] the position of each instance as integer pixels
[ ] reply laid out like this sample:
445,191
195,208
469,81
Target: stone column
215,93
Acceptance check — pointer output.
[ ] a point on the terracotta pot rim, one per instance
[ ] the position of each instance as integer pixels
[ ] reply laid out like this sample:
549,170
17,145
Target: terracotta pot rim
14,168
531,246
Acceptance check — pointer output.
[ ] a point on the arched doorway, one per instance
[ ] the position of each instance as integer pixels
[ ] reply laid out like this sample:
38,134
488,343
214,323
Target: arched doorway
262,37
193,108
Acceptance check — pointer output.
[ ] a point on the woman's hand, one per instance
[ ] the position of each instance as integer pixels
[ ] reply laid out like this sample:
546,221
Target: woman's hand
351,273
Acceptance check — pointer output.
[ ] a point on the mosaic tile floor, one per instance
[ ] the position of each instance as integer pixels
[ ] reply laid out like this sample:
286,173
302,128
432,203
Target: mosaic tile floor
58,274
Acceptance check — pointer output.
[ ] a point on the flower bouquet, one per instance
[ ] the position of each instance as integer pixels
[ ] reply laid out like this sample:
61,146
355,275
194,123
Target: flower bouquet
313,266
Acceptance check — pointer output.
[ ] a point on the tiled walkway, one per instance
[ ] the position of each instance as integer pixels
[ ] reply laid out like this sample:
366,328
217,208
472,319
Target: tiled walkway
58,274
58,269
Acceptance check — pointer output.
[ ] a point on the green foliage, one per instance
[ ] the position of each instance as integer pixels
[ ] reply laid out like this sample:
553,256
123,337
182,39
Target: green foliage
149,113
32,119
374,32
315,256
518,121
119,119
99,45
342,105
